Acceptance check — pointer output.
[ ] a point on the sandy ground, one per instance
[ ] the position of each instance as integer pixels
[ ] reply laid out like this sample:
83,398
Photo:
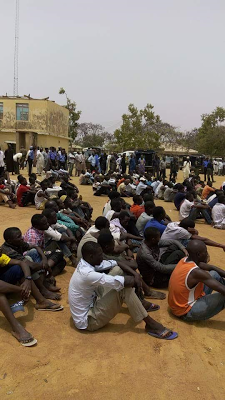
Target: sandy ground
120,360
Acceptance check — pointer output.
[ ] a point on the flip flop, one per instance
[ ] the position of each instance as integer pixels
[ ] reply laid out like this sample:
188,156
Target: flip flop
17,306
50,309
153,307
26,343
163,334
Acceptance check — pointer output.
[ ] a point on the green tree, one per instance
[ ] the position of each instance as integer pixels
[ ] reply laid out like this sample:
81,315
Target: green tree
211,134
89,134
138,129
74,115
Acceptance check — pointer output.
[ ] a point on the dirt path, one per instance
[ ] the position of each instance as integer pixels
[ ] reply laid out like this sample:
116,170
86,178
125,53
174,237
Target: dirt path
120,361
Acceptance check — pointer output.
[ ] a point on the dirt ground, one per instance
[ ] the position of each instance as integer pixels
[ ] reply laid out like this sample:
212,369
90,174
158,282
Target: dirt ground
120,360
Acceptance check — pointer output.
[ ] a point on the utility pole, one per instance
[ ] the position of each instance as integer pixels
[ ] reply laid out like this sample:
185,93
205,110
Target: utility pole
16,51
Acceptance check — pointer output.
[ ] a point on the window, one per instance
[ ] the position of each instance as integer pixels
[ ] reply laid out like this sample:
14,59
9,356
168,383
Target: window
1,110
22,112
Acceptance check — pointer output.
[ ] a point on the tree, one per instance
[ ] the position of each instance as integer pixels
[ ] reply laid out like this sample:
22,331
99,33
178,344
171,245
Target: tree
137,129
74,115
89,135
189,139
144,130
211,134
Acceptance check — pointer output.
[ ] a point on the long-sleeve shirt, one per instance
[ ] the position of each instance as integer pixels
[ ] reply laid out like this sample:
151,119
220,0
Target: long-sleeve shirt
63,219
83,285
148,260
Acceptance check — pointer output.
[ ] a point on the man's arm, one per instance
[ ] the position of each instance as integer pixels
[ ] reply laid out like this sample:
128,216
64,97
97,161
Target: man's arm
147,258
199,275
168,242
208,242
8,288
209,267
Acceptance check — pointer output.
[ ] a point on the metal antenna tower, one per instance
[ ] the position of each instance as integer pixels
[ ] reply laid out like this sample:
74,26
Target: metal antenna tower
16,51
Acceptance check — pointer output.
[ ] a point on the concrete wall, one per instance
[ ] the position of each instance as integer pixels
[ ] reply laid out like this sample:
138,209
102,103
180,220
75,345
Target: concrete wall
44,117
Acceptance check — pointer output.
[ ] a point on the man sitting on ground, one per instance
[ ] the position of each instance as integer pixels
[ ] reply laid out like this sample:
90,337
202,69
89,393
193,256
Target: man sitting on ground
192,283
207,190
155,271
25,195
92,315
189,209
179,196
145,217
158,220
137,208
42,196
218,213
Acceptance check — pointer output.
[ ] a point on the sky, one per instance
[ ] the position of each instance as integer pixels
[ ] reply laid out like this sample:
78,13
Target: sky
110,53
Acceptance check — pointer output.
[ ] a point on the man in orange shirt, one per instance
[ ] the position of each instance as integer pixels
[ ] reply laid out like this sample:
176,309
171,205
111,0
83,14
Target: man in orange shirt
207,189
191,285
137,208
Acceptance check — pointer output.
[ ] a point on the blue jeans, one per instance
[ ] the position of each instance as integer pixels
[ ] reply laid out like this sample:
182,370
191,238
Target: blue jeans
12,275
62,245
33,253
209,305
195,212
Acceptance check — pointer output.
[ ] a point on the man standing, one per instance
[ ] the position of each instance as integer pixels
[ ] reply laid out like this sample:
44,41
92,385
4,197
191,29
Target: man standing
163,168
2,164
30,160
205,165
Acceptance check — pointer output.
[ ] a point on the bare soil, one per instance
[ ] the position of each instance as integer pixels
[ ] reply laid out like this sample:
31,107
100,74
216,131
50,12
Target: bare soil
120,360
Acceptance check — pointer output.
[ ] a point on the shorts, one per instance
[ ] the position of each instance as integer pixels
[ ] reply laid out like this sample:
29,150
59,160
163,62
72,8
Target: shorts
12,275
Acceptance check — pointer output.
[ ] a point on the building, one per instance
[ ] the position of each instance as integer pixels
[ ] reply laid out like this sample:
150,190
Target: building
26,122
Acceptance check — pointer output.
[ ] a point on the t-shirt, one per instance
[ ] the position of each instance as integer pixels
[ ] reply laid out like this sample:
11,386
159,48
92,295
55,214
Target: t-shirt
156,224
20,191
168,194
39,200
142,221
181,298
110,214
140,187
185,208
137,210
207,189
175,232
218,215
179,197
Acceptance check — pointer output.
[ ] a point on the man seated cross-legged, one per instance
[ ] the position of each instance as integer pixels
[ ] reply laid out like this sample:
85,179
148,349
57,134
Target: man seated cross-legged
91,311
192,283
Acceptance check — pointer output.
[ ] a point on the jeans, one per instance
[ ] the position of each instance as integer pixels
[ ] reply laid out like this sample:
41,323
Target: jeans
208,305
12,275
195,212
62,245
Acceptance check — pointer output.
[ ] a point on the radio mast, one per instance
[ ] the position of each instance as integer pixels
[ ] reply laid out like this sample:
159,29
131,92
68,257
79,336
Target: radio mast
16,51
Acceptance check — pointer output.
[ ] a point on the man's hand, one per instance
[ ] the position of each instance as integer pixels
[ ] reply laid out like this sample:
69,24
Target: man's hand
138,282
26,289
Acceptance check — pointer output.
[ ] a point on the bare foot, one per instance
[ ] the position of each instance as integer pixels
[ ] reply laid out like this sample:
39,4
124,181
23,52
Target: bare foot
51,287
154,294
50,295
48,305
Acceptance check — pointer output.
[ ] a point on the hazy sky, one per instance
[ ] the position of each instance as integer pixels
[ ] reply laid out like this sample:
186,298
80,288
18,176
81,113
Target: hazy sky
109,53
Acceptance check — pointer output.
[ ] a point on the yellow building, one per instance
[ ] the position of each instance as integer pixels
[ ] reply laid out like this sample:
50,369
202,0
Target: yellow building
26,122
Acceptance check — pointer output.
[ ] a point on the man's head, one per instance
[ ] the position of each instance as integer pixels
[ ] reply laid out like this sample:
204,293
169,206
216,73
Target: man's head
180,188
39,221
189,196
221,199
127,181
44,184
197,251
50,215
158,213
137,200
124,219
22,180
101,223
148,197
142,179
116,205
92,253
149,207
106,241
52,205
32,180
187,223
13,236
68,202
209,183
152,237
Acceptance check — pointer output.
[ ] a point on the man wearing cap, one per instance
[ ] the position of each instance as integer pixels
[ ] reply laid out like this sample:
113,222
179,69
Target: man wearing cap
142,186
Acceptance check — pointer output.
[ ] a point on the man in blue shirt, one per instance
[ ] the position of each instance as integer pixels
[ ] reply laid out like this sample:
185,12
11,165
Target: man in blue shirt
30,160
158,220
205,166
52,156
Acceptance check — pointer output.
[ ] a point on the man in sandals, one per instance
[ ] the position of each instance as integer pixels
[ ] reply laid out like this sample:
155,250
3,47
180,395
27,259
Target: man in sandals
95,298
192,283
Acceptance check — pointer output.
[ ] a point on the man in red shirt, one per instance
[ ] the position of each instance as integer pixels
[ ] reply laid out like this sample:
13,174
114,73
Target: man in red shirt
137,208
24,194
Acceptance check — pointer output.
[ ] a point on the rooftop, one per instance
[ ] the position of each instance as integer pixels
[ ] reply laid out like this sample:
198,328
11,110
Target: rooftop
24,97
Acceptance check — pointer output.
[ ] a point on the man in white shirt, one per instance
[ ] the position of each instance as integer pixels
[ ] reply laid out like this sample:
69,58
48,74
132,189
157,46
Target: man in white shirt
218,213
141,186
189,209
2,164
91,310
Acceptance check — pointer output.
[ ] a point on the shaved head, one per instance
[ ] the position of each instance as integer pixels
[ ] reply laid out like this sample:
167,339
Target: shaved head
197,251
